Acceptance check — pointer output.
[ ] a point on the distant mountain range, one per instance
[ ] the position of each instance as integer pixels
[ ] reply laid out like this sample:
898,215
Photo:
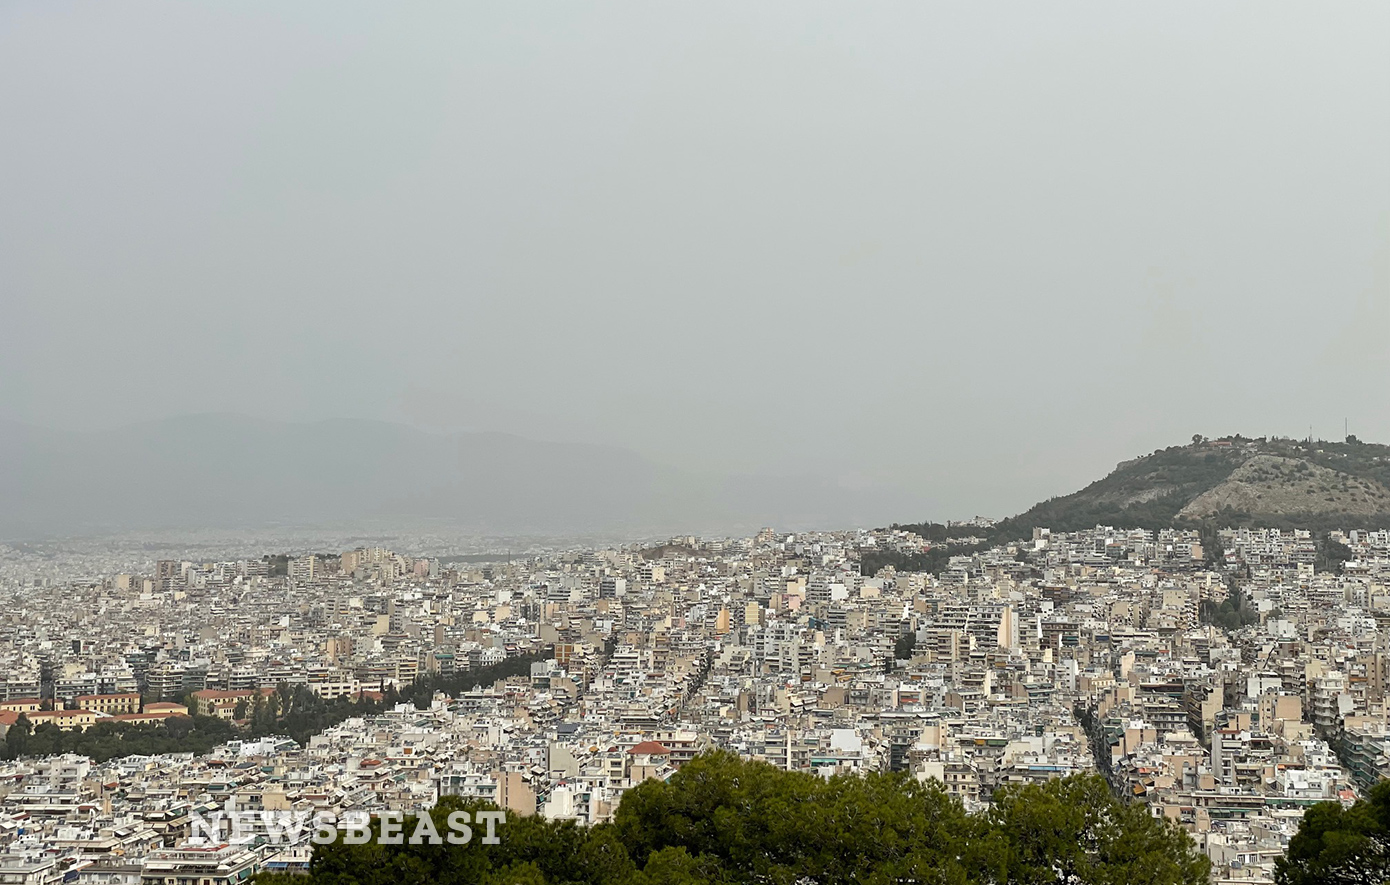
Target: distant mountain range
226,471
1275,483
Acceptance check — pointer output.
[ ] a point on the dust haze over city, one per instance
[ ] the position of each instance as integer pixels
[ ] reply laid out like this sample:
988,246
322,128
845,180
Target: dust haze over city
907,261
886,413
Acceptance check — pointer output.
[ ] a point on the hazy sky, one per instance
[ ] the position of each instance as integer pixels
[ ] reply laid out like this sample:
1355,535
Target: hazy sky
982,251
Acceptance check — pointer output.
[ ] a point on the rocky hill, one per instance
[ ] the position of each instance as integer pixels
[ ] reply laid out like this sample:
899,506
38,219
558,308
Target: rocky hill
1279,483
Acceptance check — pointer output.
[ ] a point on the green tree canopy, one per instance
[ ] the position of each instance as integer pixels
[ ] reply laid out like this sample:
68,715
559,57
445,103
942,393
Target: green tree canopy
1074,830
727,820
1341,846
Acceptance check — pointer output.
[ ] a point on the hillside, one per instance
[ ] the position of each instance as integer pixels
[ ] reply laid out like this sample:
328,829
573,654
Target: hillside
1280,483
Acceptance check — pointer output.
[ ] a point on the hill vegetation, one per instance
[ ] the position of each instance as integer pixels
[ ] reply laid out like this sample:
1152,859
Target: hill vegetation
1234,481
725,820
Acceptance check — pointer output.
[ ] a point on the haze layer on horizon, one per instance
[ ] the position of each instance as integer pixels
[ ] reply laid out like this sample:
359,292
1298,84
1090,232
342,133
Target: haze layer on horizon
978,253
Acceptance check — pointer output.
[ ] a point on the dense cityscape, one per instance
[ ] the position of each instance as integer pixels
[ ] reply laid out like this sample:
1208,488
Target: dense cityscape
1226,679
536,444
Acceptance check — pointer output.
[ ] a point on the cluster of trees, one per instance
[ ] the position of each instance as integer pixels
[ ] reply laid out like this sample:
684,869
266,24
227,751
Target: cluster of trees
1332,555
108,740
934,560
1213,551
422,690
1361,459
1317,523
296,711
905,646
290,710
1341,846
1079,511
721,819
1234,612
937,531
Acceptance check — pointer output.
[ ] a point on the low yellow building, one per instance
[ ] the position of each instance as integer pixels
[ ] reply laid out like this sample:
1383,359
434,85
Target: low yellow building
68,720
109,703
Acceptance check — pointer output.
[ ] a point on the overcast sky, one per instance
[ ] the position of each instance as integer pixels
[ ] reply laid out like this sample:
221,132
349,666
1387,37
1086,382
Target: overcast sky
980,251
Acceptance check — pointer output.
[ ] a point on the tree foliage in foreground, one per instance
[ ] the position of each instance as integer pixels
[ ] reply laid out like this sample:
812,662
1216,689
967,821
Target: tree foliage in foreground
1341,846
725,820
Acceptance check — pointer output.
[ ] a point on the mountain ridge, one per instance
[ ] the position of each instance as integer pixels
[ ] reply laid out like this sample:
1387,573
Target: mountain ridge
227,470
